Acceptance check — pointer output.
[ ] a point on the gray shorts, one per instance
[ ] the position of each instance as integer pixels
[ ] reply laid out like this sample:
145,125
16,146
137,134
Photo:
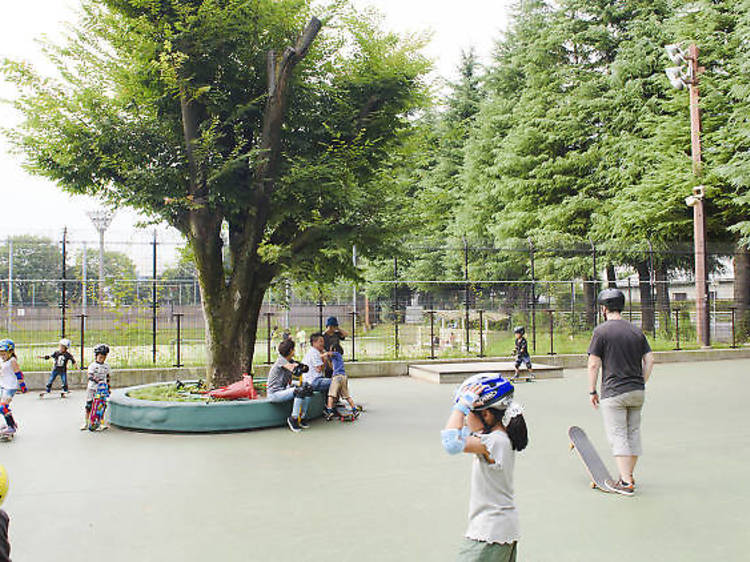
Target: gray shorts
622,421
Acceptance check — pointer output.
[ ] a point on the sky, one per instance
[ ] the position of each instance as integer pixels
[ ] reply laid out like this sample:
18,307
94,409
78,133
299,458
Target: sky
34,205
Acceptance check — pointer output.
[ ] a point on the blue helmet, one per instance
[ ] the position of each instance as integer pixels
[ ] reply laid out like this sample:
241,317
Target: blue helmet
497,391
332,321
7,345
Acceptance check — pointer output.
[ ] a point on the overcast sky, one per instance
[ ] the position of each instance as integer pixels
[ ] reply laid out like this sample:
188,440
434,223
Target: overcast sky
35,205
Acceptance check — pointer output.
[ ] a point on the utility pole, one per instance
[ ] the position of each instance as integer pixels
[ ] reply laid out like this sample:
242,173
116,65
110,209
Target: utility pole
679,80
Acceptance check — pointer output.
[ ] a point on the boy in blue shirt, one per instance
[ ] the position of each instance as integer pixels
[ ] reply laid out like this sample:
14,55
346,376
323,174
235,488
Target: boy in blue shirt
339,386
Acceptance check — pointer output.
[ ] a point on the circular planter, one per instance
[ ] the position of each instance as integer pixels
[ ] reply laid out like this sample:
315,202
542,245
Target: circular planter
199,417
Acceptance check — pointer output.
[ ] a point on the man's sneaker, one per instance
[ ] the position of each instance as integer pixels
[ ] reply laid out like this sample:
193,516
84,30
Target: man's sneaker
293,425
622,487
328,414
303,423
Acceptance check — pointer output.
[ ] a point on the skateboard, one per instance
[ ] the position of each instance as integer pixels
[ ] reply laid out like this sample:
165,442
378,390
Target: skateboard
7,437
43,395
344,413
99,406
523,376
591,460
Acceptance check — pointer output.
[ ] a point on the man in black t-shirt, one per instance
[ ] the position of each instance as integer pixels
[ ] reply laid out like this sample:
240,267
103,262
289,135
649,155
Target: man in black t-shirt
622,352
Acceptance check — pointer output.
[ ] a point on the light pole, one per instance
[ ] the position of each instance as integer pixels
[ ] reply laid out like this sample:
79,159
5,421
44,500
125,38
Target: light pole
687,75
101,218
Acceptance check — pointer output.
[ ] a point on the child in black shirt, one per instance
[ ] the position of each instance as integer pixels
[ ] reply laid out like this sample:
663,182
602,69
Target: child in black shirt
521,352
61,358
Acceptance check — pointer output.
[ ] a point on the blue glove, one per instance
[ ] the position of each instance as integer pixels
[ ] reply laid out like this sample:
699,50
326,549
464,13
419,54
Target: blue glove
465,401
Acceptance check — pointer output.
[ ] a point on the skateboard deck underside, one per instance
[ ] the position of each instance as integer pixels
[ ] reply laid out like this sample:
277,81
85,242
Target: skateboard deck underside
593,463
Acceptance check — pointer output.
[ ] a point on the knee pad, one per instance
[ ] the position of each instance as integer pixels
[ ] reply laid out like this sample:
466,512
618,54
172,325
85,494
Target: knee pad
454,440
4,409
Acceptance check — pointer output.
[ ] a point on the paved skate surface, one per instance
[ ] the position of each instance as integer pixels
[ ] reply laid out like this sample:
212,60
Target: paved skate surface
381,488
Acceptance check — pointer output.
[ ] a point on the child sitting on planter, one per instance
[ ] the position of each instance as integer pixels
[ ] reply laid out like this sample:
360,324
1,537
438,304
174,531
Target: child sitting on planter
98,372
281,388
339,385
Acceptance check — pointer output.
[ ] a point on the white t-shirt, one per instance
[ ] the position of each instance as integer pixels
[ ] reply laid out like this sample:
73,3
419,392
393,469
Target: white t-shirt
98,372
7,376
492,512
314,361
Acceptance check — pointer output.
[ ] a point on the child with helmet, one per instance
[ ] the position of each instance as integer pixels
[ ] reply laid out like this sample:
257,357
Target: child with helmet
4,519
11,381
521,351
488,423
98,372
61,356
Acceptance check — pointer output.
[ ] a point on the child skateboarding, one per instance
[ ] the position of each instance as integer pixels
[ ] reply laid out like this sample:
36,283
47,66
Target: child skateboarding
61,357
11,381
99,373
486,422
521,352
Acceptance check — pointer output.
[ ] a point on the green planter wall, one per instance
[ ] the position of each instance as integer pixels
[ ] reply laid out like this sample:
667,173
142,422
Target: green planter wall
198,417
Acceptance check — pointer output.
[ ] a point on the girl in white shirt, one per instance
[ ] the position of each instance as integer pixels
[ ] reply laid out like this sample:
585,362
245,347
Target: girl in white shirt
487,423
11,381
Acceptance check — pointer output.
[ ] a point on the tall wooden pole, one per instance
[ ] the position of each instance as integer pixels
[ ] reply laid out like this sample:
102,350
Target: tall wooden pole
703,329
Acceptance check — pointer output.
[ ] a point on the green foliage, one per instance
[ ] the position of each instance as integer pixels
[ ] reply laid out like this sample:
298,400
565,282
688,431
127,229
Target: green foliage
36,261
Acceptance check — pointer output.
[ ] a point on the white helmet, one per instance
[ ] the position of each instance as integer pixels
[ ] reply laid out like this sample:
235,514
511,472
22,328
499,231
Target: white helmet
65,342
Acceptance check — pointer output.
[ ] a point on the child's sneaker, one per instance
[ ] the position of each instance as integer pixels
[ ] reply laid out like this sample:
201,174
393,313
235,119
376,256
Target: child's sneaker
622,487
328,414
303,423
293,425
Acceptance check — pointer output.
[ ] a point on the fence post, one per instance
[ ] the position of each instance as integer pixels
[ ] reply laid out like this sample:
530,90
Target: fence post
268,340
354,330
320,310
10,282
466,295
432,333
734,342
630,302
62,284
395,306
677,329
178,316
82,316
153,301
651,291
551,332
481,332
533,296
595,278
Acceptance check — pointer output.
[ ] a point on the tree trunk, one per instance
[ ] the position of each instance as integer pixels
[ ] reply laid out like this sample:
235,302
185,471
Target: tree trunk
742,291
611,277
662,298
647,305
589,300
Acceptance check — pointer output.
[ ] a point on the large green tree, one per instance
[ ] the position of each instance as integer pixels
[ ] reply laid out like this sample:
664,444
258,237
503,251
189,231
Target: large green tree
36,269
251,113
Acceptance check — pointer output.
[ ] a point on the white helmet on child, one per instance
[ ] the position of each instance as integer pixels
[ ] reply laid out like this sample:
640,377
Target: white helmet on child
65,342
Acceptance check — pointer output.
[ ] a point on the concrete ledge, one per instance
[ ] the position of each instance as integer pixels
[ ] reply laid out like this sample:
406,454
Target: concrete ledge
444,373
199,417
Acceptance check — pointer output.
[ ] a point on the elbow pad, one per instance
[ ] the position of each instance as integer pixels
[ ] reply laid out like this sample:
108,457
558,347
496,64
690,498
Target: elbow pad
454,440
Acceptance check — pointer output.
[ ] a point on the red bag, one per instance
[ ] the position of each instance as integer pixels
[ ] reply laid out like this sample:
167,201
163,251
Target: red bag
241,389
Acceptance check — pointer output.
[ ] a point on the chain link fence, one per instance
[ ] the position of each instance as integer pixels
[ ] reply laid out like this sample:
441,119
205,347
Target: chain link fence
144,301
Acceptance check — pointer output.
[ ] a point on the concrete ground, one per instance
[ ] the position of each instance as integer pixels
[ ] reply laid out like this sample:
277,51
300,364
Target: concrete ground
382,488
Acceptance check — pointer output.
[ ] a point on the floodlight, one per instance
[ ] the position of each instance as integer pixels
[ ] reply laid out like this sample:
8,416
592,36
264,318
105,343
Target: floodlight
691,201
675,54
676,77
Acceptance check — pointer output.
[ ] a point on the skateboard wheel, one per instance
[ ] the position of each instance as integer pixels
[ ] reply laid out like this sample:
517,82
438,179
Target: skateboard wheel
593,485
572,446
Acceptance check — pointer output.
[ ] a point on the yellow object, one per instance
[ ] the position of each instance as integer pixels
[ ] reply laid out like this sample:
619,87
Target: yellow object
4,482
